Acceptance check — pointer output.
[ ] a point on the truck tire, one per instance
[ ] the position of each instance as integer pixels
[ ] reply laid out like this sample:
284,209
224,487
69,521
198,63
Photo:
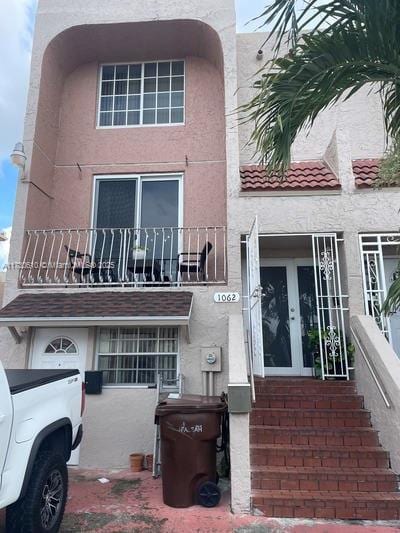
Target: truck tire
41,510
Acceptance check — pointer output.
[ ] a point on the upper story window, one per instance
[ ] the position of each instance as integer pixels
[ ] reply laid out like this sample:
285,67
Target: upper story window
142,94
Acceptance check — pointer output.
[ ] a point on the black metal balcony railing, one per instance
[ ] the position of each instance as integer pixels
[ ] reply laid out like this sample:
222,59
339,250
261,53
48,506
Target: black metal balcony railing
124,257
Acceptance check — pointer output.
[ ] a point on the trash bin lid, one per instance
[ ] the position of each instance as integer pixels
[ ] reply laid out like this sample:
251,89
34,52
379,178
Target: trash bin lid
191,403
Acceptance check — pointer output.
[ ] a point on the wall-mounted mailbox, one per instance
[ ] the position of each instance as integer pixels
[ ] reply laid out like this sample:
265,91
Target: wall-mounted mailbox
94,381
239,398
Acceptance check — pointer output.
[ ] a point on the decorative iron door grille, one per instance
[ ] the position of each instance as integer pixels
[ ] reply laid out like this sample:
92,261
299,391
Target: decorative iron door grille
374,280
254,303
330,307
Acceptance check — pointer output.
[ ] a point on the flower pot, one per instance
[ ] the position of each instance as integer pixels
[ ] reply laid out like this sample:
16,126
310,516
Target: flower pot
136,462
149,462
138,254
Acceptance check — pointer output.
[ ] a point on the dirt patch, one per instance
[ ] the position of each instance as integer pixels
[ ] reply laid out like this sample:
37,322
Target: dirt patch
85,522
125,485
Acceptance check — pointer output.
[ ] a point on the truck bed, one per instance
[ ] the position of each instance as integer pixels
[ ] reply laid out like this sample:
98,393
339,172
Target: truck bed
21,380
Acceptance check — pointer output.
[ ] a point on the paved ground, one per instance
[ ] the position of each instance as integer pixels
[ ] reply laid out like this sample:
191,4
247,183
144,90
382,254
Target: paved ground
133,503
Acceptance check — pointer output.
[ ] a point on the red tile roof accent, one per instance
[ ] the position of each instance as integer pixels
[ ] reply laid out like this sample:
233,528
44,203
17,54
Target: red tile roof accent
366,172
130,304
305,175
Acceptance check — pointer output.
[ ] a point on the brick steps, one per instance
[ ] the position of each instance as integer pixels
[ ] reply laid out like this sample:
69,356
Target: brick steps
310,417
311,401
344,436
345,505
323,479
331,388
330,456
314,453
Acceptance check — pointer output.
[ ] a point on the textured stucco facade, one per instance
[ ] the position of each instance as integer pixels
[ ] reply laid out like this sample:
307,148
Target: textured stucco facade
377,378
71,41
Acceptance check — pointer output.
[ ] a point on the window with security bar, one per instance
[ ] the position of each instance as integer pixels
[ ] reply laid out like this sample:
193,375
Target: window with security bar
137,355
142,94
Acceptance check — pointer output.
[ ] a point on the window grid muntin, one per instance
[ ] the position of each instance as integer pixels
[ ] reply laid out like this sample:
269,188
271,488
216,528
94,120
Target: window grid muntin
165,362
171,109
69,349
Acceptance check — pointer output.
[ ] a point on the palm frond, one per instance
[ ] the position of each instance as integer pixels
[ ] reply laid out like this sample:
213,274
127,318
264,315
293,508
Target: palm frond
392,302
361,47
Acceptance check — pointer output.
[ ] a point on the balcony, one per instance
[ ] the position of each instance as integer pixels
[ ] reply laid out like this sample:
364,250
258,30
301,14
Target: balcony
124,257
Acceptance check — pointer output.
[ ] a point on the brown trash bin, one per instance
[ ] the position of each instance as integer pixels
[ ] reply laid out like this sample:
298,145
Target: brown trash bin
189,429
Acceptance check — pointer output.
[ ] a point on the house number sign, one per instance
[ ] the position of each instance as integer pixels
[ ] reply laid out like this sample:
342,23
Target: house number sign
226,297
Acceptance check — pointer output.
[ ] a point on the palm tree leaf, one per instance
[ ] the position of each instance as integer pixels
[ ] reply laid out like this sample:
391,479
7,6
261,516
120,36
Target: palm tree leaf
360,48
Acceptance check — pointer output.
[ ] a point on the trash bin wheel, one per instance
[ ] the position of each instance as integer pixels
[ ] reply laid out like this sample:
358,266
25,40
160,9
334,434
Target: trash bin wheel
208,494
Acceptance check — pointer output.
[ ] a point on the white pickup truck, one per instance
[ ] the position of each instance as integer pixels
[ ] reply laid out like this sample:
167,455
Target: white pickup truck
40,424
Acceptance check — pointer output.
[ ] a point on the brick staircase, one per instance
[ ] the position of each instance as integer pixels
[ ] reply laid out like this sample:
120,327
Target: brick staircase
314,453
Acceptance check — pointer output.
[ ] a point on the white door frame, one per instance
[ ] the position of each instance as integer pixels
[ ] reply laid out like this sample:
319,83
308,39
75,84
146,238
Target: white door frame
297,368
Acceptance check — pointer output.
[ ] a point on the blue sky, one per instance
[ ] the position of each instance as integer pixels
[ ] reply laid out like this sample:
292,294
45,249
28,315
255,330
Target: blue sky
16,26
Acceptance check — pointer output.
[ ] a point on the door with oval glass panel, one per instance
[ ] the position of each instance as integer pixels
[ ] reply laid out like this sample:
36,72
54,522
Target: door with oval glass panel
61,348
289,312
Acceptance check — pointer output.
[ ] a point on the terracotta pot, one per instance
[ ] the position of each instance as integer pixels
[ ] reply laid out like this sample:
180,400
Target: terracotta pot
136,462
149,462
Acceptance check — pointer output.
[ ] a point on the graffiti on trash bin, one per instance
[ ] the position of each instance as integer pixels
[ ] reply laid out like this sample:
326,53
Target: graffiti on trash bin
186,430
198,428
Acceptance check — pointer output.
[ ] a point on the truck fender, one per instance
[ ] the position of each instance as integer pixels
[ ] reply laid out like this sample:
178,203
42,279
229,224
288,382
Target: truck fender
40,437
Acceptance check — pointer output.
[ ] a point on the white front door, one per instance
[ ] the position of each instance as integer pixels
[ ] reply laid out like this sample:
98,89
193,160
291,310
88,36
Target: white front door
289,312
61,348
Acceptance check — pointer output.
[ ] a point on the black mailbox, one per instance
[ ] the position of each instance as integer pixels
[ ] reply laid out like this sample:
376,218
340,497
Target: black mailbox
94,381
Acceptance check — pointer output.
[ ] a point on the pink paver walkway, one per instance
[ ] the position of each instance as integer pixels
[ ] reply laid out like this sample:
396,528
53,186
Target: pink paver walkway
133,503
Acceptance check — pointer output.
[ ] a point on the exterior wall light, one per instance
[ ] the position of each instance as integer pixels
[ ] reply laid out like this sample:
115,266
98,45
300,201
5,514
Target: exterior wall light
260,55
18,158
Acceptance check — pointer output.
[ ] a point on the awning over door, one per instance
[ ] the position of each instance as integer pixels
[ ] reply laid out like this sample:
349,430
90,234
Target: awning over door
106,308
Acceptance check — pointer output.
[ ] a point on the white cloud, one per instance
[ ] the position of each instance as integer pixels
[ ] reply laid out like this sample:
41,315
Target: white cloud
4,248
16,21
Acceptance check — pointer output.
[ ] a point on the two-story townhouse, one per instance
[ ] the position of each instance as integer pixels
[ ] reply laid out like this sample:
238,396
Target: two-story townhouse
141,200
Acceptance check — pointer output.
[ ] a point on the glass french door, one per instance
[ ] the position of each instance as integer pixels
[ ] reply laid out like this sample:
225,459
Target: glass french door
289,312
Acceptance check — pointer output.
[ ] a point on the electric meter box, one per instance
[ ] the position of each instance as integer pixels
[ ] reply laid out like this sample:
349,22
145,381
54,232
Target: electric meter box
211,359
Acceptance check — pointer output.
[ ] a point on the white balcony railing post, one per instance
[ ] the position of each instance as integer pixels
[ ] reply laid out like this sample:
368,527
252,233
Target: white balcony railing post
136,257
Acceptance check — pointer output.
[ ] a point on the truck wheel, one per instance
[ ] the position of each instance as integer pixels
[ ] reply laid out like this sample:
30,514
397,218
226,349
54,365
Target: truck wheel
42,508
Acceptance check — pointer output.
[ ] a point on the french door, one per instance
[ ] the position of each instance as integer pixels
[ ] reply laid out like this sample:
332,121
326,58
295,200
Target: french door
289,312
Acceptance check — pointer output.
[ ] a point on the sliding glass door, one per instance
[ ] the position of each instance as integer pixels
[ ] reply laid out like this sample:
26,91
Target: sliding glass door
137,220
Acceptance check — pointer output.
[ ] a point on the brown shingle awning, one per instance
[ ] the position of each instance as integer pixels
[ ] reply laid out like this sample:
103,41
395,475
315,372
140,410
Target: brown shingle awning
92,308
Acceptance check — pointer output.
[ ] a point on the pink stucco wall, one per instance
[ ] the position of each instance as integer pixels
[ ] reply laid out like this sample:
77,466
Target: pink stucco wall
66,134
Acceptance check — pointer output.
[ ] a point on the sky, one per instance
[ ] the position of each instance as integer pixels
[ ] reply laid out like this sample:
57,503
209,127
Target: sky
16,29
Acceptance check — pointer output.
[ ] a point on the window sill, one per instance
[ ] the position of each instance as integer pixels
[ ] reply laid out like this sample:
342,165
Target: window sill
135,126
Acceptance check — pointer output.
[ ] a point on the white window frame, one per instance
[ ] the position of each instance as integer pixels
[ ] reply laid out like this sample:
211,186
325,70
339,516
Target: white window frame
141,125
138,385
